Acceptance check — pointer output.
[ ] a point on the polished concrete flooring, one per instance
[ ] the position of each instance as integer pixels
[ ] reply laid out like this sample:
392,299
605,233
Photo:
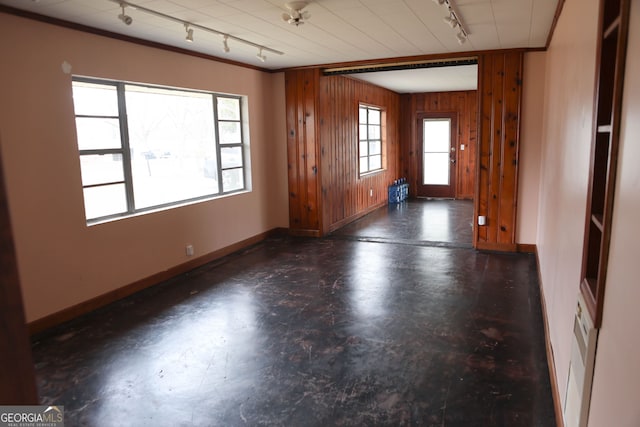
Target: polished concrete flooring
419,221
313,332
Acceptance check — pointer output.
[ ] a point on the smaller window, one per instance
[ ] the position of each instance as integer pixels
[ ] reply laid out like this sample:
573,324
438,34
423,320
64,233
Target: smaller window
370,137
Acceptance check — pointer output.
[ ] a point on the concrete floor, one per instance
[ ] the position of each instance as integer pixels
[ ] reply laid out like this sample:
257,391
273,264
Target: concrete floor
338,331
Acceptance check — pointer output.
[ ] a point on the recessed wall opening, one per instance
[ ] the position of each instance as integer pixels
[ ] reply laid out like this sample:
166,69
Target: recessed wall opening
438,122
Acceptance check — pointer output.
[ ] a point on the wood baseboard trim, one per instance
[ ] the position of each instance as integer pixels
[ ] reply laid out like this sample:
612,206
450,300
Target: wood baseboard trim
526,248
498,247
85,307
337,225
304,233
551,363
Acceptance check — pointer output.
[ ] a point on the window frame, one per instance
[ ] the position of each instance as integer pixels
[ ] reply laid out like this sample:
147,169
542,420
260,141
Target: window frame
382,140
125,148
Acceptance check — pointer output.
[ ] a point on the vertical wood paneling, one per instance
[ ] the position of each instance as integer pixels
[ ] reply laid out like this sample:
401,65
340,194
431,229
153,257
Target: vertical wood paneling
302,152
500,98
496,144
346,195
464,103
485,72
510,147
325,189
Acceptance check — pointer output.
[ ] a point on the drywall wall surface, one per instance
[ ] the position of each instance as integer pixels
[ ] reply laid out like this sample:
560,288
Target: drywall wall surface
616,382
564,174
530,147
62,261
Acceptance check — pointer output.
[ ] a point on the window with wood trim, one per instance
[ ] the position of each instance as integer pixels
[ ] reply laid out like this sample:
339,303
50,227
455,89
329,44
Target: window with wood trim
371,141
147,147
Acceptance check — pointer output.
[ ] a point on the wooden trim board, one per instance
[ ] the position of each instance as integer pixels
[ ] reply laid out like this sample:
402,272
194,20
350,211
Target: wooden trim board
87,306
551,363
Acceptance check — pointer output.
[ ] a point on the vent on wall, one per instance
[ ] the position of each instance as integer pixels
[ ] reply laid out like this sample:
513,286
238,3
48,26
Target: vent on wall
583,350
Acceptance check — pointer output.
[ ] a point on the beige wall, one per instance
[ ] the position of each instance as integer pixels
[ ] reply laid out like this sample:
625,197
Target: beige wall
63,262
616,386
567,126
568,108
530,147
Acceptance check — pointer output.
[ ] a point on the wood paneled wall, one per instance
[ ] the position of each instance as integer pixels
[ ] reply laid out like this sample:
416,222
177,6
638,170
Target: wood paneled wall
325,189
346,195
500,91
465,105
305,215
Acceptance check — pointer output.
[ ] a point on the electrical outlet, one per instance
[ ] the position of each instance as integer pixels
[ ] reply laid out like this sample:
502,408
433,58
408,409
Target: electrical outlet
189,250
371,192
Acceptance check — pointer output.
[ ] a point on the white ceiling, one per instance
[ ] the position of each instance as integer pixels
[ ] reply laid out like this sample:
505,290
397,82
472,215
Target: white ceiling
442,79
337,31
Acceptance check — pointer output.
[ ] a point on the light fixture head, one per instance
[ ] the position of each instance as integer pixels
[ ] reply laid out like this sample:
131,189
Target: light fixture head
261,56
461,37
124,17
440,2
225,43
189,36
451,20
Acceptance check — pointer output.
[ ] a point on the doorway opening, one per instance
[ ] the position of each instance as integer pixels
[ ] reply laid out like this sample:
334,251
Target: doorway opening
437,134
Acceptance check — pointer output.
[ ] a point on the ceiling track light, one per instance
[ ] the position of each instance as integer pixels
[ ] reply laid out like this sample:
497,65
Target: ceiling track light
225,43
189,36
454,20
124,17
261,56
190,26
451,20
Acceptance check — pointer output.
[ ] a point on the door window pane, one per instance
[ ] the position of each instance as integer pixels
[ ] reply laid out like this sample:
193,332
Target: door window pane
436,136
436,146
436,169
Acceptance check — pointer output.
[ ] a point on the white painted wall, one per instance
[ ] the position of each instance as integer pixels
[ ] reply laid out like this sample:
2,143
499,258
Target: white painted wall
567,124
566,136
616,386
530,147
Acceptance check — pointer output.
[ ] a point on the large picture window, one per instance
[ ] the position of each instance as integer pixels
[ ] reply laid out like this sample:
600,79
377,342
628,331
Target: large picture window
145,147
370,137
